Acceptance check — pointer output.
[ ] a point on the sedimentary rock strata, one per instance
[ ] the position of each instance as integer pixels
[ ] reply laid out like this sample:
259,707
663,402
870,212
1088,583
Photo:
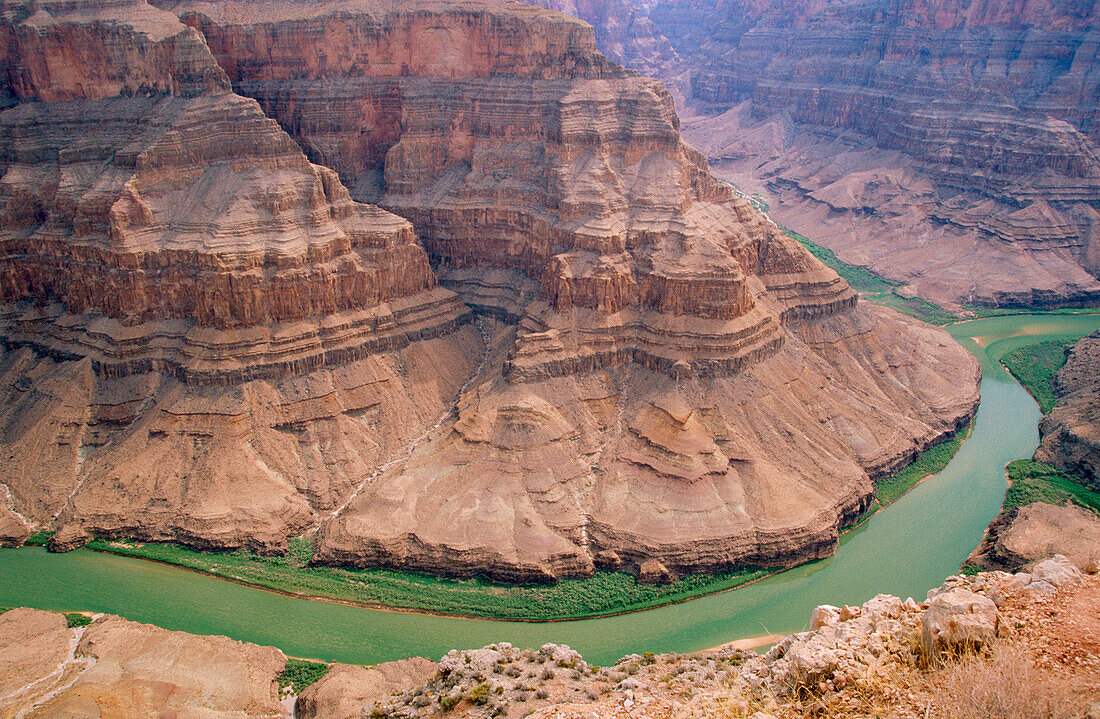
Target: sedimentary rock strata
198,323
210,339
624,32
1071,432
970,126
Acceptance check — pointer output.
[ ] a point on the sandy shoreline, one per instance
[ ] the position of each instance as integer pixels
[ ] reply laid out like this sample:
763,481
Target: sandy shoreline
750,643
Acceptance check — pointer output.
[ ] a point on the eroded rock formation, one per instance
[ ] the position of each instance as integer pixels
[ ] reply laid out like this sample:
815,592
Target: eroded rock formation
208,339
1071,431
196,320
950,146
124,669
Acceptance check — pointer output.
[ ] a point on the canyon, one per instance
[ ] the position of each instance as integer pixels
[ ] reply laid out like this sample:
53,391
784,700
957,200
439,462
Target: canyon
435,285
950,147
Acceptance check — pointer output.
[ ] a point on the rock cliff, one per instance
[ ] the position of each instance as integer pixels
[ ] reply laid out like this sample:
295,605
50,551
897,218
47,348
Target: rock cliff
624,32
190,309
209,339
1071,431
972,126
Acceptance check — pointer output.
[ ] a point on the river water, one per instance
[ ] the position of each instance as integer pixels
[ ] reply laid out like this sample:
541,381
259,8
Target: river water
905,549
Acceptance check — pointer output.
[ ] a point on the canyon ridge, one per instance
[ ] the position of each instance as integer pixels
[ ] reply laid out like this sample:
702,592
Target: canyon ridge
950,147
435,283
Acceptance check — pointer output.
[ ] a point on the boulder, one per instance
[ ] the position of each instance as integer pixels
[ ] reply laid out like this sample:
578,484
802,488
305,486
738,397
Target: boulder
1058,571
883,606
825,615
653,571
959,619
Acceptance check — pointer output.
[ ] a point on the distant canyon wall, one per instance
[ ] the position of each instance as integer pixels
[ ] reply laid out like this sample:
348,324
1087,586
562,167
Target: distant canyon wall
952,146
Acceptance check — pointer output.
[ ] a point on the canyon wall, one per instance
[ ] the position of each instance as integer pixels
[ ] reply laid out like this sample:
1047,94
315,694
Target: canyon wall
210,339
189,307
950,146
1071,431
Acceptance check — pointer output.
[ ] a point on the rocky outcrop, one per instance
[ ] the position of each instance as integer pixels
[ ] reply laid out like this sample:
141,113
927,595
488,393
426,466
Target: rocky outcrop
1071,431
120,668
209,339
959,620
869,123
1021,537
624,32
345,689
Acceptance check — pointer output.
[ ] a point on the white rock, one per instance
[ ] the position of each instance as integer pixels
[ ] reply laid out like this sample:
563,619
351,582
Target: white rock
825,615
884,606
1057,570
959,618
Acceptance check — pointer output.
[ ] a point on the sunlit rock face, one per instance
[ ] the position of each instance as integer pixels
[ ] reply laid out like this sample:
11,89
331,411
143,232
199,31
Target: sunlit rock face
209,338
191,309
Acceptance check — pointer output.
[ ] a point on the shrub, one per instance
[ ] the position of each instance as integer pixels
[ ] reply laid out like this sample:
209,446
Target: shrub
75,619
479,694
300,673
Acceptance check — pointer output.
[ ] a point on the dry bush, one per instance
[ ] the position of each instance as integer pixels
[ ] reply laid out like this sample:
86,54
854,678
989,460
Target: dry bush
1003,685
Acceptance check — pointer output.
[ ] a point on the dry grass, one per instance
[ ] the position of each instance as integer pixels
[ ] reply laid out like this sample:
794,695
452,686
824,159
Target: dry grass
1003,684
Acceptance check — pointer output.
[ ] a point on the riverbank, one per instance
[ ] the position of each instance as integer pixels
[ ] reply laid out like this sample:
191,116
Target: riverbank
858,661
605,594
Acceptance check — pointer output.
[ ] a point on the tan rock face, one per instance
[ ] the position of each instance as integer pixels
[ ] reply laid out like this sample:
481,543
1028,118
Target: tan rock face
1039,530
208,340
346,689
969,125
163,247
124,669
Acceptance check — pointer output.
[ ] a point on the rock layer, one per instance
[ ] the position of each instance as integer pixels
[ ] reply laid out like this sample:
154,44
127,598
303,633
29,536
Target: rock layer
191,309
669,382
968,125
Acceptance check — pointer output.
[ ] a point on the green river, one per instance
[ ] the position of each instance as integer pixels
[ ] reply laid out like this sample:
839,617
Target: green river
904,550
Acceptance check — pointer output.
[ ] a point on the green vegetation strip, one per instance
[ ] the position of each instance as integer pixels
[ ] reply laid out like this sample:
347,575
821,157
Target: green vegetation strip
75,619
931,461
300,673
602,594
1034,367
875,288
39,538
1040,482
